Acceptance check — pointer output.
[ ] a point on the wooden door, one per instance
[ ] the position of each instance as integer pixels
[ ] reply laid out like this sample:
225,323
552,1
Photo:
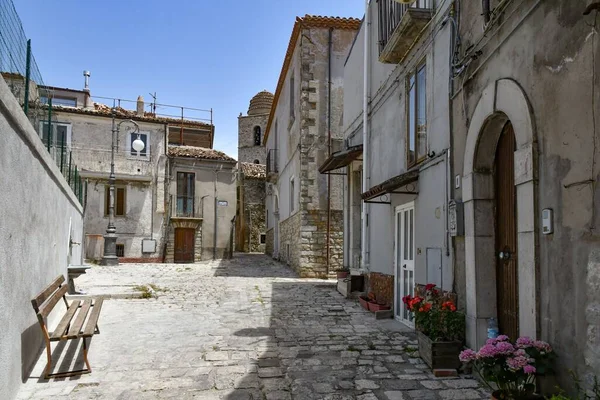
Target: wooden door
184,245
506,235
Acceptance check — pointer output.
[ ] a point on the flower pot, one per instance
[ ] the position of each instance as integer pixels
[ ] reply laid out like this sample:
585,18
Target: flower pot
499,395
374,307
439,355
364,302
342,274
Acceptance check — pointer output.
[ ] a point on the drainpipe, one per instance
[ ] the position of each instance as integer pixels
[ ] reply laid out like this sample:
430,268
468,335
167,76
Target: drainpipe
365,206
485,10
329,150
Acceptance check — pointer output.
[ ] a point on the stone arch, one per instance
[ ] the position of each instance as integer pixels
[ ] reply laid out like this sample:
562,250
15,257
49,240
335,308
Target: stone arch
500,102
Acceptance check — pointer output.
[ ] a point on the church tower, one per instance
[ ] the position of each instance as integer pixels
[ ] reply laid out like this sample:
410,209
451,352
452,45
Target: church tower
251,129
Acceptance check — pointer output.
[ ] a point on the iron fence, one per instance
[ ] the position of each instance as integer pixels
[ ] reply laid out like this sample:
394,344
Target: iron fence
390,15
22,74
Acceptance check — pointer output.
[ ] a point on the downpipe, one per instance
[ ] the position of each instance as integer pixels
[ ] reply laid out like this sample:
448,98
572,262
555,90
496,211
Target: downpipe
365,181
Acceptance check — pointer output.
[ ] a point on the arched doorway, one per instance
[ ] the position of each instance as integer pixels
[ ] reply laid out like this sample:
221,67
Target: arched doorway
499,206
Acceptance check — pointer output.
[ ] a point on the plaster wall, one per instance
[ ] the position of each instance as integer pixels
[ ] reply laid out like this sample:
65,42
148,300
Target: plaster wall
143,178
551,52
224,190
40,215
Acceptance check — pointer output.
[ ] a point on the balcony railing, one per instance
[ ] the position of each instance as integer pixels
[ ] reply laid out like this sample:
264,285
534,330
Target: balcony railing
185,207
399,26
272,162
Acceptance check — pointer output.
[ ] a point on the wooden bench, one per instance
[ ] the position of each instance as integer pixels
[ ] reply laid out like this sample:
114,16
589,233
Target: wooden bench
72,325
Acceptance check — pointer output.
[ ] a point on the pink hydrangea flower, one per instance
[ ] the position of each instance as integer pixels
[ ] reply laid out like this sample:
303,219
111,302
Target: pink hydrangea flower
491,341
542,346
488,350
520,352
524,342
529,369
502,338
505,348
467,355
516,363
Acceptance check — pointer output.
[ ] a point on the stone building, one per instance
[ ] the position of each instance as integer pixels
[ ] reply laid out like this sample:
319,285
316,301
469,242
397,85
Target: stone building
201,189
304,208
525,166
250,215
84,128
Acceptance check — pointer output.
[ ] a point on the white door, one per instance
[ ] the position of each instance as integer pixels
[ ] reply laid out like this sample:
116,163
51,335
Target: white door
404,260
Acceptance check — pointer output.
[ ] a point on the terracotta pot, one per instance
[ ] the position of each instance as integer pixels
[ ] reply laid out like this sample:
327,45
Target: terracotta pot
373,307
342,274
364,302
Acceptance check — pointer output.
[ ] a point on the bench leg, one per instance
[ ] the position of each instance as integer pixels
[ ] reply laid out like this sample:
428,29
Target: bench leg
87,370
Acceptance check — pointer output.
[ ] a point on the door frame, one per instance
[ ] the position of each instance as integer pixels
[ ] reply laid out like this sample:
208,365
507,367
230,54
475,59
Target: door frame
398,293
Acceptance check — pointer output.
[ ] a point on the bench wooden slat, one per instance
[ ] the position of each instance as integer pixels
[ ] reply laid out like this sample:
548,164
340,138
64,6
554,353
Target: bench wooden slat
47,307
48,290
64,322
93,320
77,325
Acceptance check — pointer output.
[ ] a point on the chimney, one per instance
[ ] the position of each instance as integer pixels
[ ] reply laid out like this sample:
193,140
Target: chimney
87,102
140,106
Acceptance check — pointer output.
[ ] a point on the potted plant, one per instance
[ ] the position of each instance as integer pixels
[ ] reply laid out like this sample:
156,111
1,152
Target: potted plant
342,274
364,301
440,327
509,369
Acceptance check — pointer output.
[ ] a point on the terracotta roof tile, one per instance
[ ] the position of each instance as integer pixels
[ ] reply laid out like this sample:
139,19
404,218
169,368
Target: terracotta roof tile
198,152
308,21
253,171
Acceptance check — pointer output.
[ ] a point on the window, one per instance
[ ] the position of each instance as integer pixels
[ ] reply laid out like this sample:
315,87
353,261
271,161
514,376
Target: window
292,202
59,136
257,135
417,116
144,138
120,250
292,100
60,101
185,194
120,207
263,238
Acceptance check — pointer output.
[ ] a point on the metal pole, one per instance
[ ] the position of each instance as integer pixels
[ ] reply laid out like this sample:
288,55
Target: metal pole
62,154
70,160
110,239
27,77
49,123
181,130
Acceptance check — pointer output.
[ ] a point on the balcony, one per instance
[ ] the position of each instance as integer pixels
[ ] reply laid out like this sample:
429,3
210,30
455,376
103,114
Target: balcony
272,165
400,25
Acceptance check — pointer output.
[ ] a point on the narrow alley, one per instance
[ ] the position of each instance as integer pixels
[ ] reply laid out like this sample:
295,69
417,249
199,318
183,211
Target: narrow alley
246,328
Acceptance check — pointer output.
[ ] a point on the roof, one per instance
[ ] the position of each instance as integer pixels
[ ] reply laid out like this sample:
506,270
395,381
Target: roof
198,152
341,159
308,21
391,185
253,171
102,110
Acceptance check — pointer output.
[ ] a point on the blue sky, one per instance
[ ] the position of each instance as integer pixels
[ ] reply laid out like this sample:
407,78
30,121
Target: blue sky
193,53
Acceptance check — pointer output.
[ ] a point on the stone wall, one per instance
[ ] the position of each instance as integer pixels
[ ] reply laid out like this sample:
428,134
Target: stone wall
270,242
247,151
313,260
382,286
256,216
289,244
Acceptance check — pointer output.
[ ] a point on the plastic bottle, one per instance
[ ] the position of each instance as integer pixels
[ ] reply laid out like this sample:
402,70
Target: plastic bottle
492,330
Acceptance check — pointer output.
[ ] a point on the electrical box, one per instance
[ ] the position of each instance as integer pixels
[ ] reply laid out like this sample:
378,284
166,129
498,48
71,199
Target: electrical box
456,220
148,246
547,221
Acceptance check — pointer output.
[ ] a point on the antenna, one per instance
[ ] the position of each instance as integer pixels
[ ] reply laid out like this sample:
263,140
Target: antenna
153,105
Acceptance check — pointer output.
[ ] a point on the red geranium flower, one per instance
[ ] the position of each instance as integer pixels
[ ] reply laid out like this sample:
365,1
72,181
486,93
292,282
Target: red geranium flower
429,286
406,299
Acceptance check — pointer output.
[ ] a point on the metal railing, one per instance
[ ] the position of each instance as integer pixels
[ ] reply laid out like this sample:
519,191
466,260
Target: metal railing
272,162
21,73
185,207
390,15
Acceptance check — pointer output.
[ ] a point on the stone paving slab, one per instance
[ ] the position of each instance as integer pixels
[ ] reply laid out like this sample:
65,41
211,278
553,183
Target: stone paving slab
241,329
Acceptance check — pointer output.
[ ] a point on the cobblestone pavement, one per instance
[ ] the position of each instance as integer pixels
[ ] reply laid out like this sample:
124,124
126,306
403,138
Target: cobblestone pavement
240,329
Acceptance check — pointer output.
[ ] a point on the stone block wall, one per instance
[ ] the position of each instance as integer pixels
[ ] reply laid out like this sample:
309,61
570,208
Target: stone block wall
289,243
256,216
270,241
313,259
382,286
